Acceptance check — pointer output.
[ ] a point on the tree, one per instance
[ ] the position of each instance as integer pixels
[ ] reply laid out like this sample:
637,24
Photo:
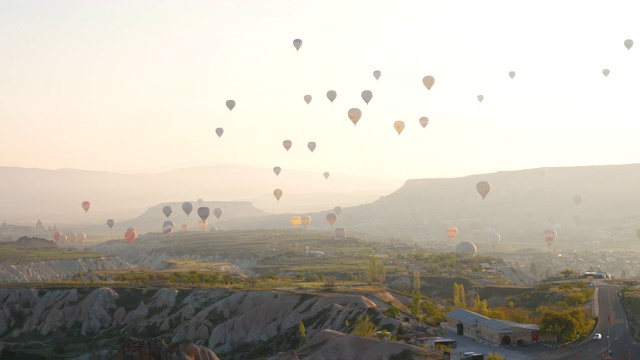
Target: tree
416,299
416,280
302,333
364,327
561,324
459,297
495,356
480,306
392,311
376,273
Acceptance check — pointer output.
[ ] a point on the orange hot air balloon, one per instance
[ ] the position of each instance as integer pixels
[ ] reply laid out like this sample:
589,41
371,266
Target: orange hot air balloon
131,235
331,218
277,193
86,205
287,144
295,221
483,188
202,224
305,220
184,227
452,231
549,236
354,115
428,81
399,126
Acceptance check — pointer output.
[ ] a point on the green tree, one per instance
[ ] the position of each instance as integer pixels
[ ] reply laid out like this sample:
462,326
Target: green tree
480,306
416,299
302,333
392,311
416,280
561,324
459,297
376,272
364,327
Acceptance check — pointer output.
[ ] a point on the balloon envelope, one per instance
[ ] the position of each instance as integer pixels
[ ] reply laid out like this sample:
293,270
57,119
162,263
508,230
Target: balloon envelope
86,205
331,95
480,98
167,230
424,121
307,99
277,193
367,95
305,220
326,174
168,223
187,207
399,126
451,231
340,233
287,144
428,81
331,218
295,221
200,201
297,43
577,199
80,238
217,212
202,224
376,74
337,210
549,236
512,74
277,170
167,210
130,235
219,132
311,145
483,188
605,72
354,115
110,223
628,44
204,212
466,247
230,104
56,236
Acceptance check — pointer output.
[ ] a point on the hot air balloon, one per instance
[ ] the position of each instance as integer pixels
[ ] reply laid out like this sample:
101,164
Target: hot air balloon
337,210
305,220
287,144
219,132
577,199
483,188
277,193
167,210
605,72
452,231
217,212
376,74
81,238
56,236
428,81
200,201
64,238
73,237
424,121
331,95
277,170
168,223
399,126
131,235
466,247
549,236
202,224
367,95
167,230
295,221
326,174
110,223
297,43
480,98
311,145
628,44
203,212
307,99
512,74
184,227
187,207
354,115
494,237
86,205
231,104
340,233
331,218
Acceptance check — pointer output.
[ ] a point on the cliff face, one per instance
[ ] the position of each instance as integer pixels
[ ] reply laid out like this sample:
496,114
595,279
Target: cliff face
198,322
45,271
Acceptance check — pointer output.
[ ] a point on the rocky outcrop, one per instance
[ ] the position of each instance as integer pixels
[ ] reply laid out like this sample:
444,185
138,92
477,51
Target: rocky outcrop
157,349
56,270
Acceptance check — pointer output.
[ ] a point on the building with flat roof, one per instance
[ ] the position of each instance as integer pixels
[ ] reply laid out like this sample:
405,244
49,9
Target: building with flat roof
499,332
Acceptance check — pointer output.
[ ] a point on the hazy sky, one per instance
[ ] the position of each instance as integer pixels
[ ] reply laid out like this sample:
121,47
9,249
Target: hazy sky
141,85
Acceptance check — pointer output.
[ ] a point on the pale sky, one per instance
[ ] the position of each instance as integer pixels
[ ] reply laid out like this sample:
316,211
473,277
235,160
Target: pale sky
134,86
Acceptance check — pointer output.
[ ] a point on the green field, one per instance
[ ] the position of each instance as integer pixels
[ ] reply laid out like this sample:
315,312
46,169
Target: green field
16,256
